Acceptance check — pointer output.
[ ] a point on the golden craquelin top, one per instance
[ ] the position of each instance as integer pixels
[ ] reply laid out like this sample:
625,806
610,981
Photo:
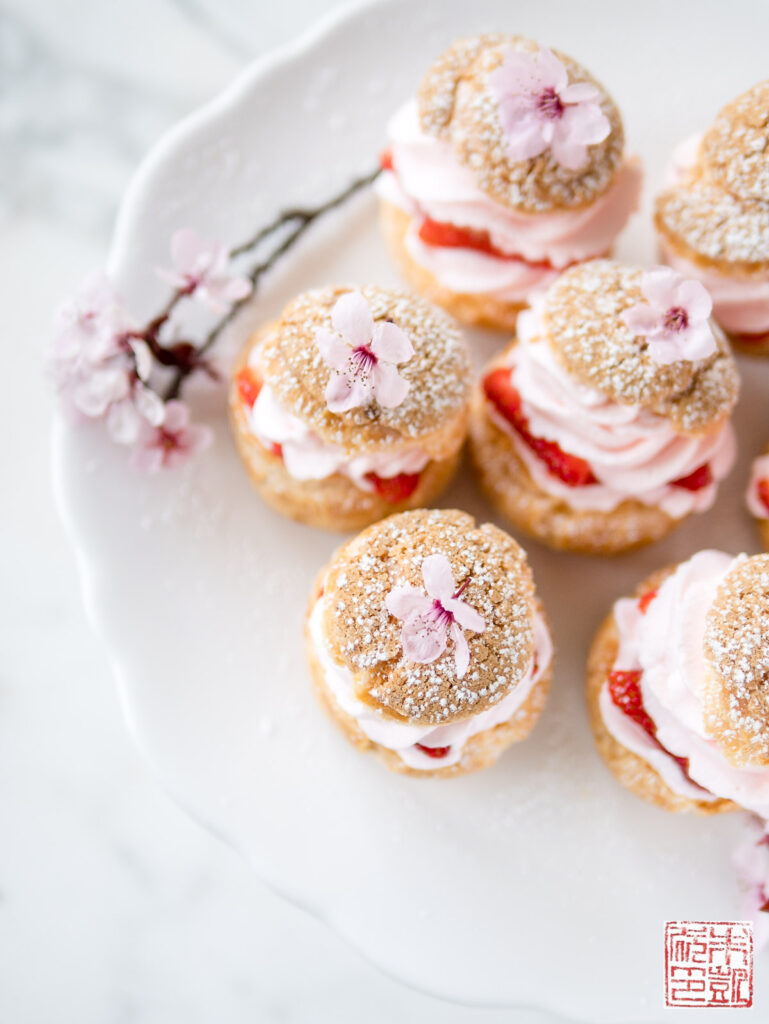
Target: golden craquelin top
582,316
365,638
719,210
439,372
456,103
736,696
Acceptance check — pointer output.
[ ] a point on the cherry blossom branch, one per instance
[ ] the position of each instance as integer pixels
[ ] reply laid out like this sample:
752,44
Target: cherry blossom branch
103,363
304,218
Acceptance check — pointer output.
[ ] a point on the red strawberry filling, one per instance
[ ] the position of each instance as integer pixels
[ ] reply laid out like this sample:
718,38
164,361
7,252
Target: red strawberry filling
571,469
249,387
386,159
433,751
763,493
645,600
695,481
449,236
394,488
625,692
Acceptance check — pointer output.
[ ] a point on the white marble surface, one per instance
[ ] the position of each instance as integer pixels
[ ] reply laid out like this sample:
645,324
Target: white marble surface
114,907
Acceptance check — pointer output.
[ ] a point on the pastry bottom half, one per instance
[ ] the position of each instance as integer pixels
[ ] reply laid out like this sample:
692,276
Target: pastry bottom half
470,308
507,483
632,771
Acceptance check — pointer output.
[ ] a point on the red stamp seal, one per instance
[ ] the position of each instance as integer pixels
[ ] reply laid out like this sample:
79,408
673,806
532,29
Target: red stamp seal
708,963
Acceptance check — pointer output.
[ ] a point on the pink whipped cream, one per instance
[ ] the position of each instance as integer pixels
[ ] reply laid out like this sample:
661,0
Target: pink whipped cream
428,180
307,456
740,301
402,738
759,471
632,452
666,644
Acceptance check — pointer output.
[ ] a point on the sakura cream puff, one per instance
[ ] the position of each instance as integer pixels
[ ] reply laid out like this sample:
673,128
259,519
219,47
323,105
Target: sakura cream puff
506,167
606,421
427,644
678,686
352,405
757,495
713,219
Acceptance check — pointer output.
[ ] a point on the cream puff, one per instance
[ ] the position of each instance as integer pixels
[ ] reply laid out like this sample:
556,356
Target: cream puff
506,167
678,686
352,405
427,644
713,219
606,421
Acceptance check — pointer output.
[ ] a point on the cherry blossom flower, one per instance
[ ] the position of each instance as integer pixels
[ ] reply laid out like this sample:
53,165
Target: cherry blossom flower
429,618
172,442
364,357
751,859
540,110
201,270
674,319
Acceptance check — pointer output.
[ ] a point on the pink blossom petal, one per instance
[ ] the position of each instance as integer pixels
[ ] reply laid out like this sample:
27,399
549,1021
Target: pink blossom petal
177,416
438,577
465,615
334,352
93,396
343,394
405,601
351,316
658,286
524,138
423,640
388,386
123,422
694,297
143,357
149,405
391,343
640,319
579,92
146,459
552,71
665,350
699,341
461,650
584,123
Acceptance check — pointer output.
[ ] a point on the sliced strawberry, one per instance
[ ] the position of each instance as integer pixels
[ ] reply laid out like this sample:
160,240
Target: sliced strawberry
386,159
625,692
394,488
645,600
451,236
695,481
432,751
571,469
249,386
763,492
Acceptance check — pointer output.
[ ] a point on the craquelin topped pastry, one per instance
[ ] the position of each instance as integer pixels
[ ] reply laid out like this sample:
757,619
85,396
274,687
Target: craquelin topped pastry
713,219
678,686
352,405
606,421
427,644
506,167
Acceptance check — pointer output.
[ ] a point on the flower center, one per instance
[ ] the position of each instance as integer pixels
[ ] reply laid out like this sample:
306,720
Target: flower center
676,319
549,104
441,616
362,361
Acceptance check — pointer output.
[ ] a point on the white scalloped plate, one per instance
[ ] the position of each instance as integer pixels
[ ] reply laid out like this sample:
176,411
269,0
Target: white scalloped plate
539,882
